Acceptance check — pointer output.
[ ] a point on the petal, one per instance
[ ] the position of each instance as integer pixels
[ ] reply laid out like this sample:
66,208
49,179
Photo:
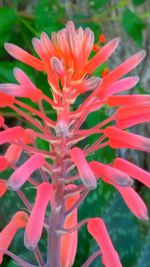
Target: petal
113,174
30,90
57,66
23,172
87,44
33,231
9,135
24,56
128,100
13,153
122,70
7,234
133,170
129,116
104,53
69,241
122,139
47,45
121,85
85,172
97,229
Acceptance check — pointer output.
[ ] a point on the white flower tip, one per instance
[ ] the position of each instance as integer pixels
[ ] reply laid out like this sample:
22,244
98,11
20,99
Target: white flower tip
144,217
115,41
12,186
6,45
142,54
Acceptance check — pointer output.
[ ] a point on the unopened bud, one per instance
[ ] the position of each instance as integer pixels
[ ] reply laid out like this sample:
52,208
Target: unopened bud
92,83
57,66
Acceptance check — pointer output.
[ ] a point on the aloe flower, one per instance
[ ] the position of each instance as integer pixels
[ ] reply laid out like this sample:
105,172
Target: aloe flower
66,175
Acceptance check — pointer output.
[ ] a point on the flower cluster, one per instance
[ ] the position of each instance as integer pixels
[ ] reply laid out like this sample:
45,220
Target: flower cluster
66,175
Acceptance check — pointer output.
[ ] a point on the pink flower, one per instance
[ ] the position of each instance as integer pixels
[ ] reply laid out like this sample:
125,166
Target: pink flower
122,139
22,173
128,100
97,229
113,174
10,135
86,174
133,170
35,223
7,234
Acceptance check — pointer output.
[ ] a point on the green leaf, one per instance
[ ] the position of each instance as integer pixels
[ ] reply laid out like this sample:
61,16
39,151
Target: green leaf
8,18
134,26
98,4
138,2
46,14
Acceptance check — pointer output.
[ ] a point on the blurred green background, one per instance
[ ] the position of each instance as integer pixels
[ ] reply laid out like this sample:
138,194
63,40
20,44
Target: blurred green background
20,21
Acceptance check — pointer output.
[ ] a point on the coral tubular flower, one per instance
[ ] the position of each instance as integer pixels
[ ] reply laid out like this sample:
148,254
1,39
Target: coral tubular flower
133,170
102,55
122,69
121,85
122,139
113,174
7,234
128,100
69,241
24,56
97,229
129,116
10,135
86,174
35,223
22,173
14,151
134,202
25,89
